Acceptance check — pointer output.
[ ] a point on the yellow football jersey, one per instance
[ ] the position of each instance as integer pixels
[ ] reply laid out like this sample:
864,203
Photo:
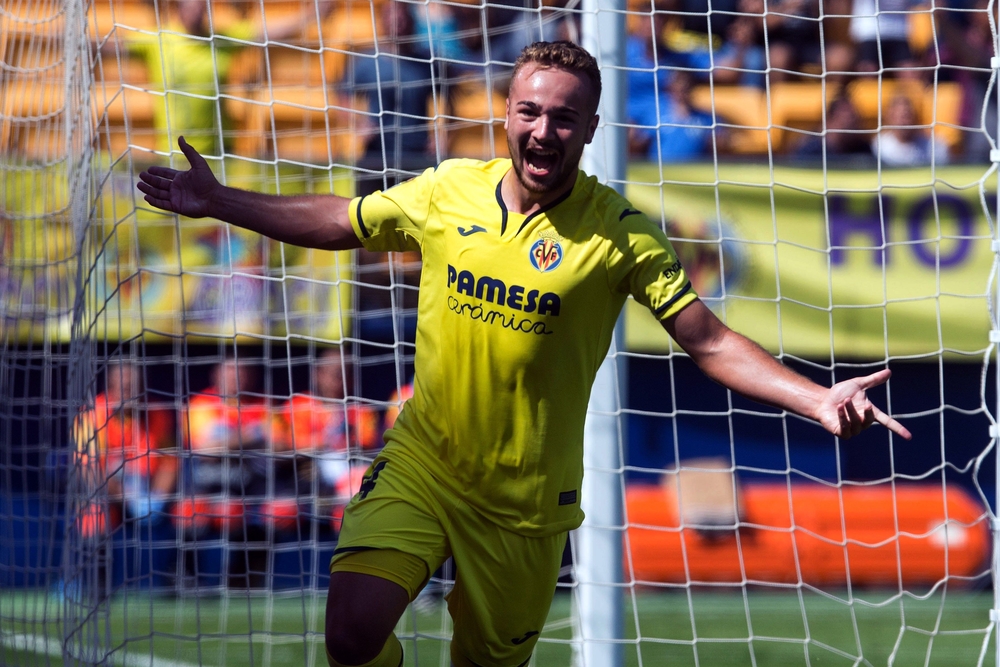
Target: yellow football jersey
515,317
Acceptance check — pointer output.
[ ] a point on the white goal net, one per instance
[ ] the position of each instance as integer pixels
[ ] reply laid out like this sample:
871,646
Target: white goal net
185,407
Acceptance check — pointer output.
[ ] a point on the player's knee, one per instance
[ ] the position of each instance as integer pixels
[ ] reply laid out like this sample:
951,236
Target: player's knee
345,647
349,644
346,650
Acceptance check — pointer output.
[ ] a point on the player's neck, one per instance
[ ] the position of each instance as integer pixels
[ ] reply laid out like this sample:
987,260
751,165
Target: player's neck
519,199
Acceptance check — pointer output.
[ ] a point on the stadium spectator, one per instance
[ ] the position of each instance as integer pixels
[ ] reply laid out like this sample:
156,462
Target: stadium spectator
127,444
326,436
740,60
646,75
457,32
659,43
398,86
396,401
699,20
189,59
966,47
735,42
220,423
653,96
449,33
513,24
902,142
842,135
225,429
657,46
795,40
485,461
880,30
685,132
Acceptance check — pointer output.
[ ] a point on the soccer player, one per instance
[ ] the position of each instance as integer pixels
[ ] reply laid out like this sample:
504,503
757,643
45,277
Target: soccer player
527,264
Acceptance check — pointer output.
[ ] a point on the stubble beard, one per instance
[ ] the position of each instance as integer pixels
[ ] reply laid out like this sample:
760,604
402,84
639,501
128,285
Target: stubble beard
534,187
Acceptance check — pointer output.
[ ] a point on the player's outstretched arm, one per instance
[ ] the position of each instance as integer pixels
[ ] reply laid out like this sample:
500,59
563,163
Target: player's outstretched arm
313,221
738,363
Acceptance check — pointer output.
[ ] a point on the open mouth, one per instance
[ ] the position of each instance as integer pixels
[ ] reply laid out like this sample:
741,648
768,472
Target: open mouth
540,162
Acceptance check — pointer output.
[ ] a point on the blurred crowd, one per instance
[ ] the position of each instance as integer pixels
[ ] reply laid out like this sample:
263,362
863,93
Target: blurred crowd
390,87
415,72
900,83
898,52
233,466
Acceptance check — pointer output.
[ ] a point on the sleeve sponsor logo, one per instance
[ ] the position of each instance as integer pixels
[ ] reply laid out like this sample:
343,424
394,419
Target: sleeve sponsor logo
673,270
567,497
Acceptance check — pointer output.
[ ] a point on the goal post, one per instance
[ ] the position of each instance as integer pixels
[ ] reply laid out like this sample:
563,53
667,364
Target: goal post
186,407
599,573
993,298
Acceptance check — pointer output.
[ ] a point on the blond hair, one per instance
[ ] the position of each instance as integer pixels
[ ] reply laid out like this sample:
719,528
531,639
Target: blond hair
565,56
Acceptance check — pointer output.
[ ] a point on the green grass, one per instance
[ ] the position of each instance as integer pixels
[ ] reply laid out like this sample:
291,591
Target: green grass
762,628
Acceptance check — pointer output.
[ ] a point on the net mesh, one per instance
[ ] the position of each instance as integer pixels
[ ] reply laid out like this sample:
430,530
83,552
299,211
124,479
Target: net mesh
186,407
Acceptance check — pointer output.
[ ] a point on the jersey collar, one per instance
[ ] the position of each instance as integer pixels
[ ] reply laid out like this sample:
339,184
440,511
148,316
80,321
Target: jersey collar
548,207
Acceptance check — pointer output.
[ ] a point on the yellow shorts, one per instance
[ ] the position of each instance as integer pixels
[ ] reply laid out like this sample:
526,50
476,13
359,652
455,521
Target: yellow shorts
402,526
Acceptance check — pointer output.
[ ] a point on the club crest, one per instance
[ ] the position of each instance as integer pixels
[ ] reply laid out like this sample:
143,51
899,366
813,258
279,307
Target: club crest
546,253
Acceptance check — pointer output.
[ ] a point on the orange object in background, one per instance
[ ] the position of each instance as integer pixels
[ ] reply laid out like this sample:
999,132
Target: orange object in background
195,514
911,534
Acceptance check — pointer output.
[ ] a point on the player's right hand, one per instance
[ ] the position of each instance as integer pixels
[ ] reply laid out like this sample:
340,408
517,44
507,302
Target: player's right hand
188,193
846,410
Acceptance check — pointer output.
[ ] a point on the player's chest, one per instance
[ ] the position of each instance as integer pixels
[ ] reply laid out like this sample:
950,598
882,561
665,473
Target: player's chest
531,270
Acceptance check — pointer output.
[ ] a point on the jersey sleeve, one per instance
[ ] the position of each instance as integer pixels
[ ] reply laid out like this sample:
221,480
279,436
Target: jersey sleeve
644,264
394,220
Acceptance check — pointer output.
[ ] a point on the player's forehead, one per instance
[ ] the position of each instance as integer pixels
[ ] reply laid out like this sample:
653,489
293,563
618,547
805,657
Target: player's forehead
550,87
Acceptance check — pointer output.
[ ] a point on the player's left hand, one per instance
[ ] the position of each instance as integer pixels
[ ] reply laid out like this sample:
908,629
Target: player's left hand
846,411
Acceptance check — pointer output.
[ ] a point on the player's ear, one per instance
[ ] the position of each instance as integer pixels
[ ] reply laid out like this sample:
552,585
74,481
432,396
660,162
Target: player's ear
593,127
506,112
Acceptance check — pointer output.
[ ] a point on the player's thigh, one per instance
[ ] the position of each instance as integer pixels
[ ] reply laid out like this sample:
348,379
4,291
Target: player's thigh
502,594
393,528
361,612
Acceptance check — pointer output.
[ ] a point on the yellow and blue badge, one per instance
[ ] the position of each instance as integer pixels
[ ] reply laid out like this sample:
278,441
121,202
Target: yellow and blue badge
546,253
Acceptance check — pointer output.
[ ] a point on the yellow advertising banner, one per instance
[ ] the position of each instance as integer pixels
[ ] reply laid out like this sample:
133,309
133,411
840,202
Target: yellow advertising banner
153,275
851,264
